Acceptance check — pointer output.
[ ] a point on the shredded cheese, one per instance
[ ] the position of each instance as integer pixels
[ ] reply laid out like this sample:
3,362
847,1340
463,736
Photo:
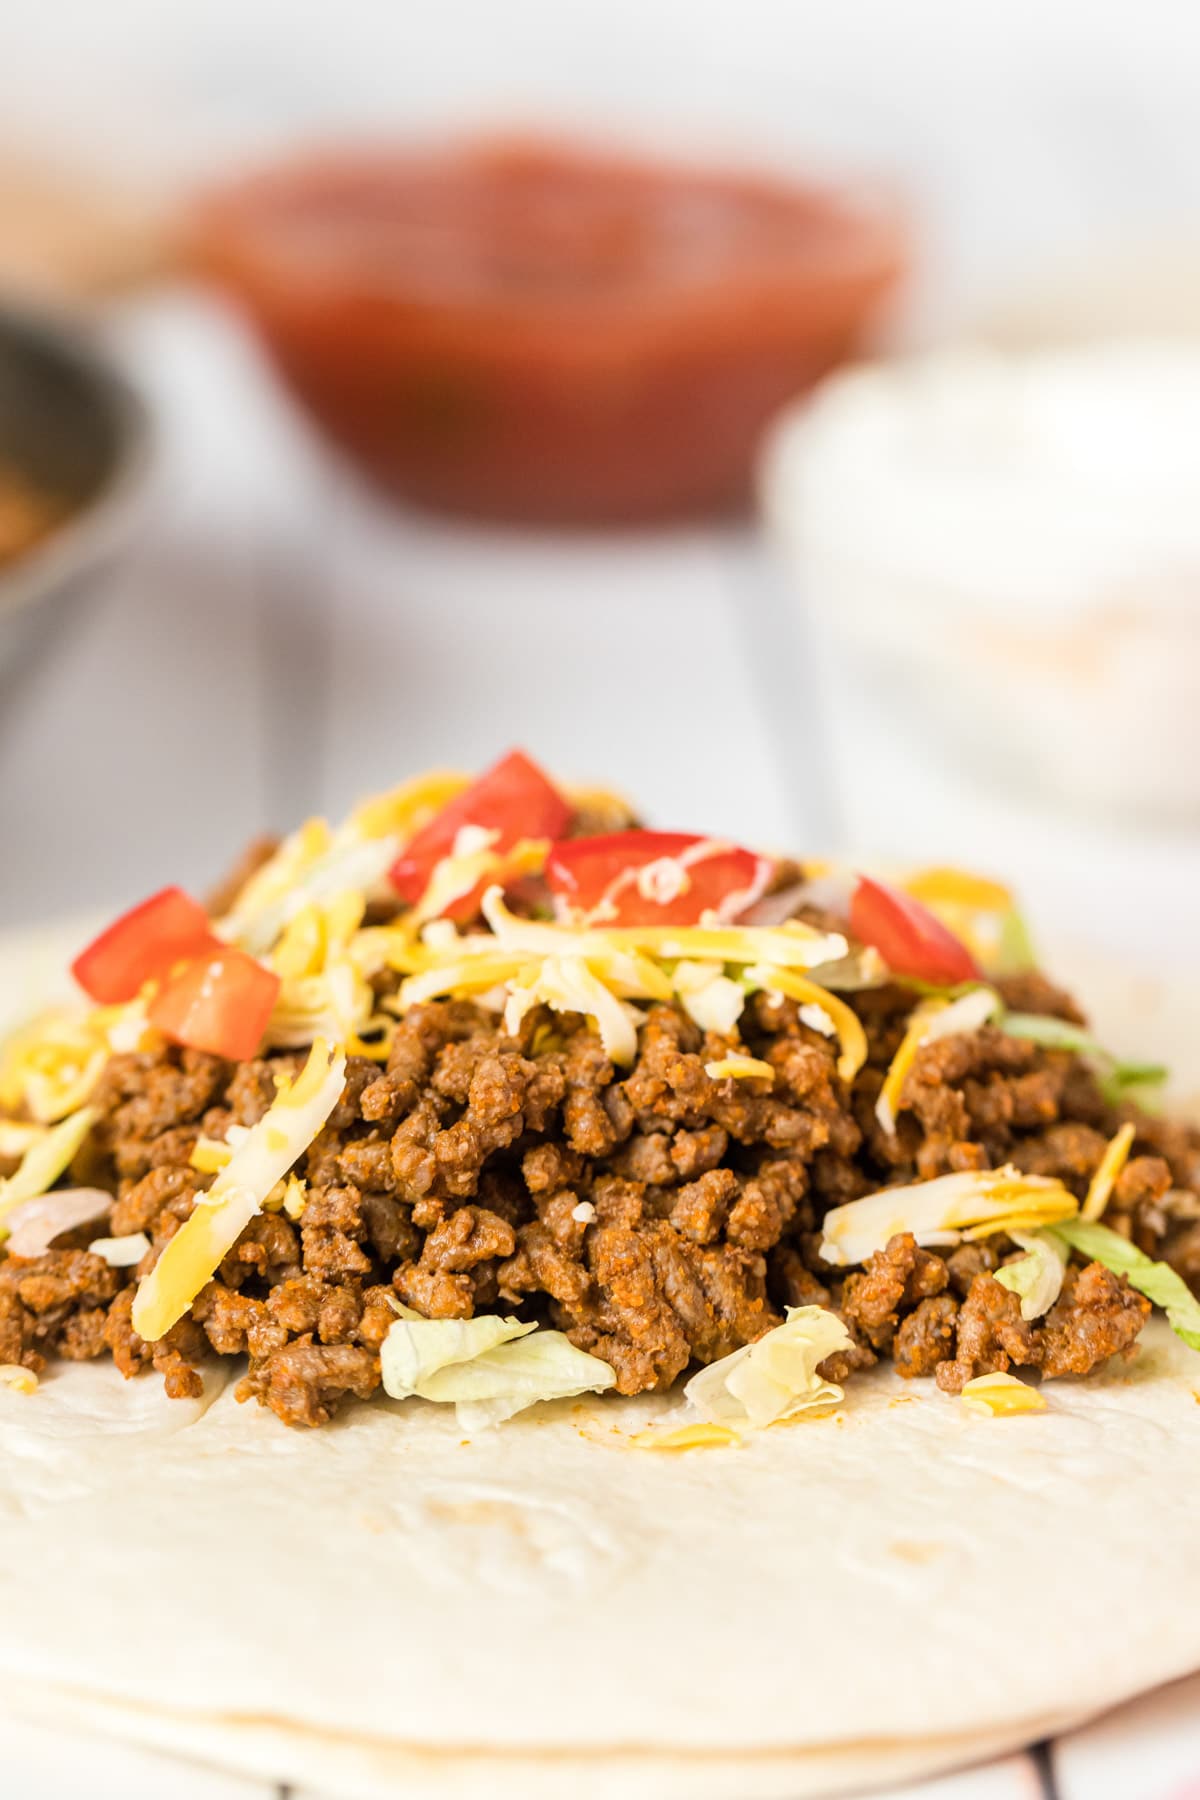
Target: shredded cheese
209,1155
850,1034
817,1019
50,1066
740,1068
888,1104
791,946
709,997
607,810
931,1020
999,1396
701,1435
975,1202
980,912
958,887
1103,1182
471,861
121,1252
567,984
469,975
194,1254
403,811
16,1136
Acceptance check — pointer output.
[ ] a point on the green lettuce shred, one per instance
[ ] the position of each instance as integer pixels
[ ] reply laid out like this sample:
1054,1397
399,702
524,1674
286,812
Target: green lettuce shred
1015,952
1117,1078
487,1368
1157,1280
1037,1277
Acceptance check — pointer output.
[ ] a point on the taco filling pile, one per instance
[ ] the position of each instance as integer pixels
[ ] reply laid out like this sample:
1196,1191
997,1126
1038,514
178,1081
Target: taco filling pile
490,1096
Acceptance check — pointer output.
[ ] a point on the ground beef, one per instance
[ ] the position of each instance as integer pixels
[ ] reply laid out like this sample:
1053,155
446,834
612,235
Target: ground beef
658,1216
303,1382
1097,1315
926,1337
896,1278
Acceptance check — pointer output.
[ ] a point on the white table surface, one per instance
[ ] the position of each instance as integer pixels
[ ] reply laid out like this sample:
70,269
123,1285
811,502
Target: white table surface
276,643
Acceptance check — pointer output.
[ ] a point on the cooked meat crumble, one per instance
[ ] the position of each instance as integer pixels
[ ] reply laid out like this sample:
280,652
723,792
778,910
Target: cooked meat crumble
657,1215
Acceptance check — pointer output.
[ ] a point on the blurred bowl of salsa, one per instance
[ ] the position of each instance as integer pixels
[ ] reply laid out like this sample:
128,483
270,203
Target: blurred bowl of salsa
535,331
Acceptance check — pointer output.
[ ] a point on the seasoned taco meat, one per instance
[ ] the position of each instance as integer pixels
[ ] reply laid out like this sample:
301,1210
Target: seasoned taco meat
658,1216
661,1213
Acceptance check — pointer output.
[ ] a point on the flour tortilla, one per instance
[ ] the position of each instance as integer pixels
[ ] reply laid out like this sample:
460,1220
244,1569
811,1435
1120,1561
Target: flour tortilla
319,1766
850,1599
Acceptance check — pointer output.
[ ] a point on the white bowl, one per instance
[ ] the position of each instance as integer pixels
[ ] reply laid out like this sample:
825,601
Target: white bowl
1002,554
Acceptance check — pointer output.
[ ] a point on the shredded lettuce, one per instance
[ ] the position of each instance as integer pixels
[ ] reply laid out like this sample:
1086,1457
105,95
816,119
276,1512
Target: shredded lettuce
1015,952
487,1368
979,911
1116,1077
775,1377
121,1252
311,865
492,1387
44,1161
708,996
19,1135
417,1348
974,1203
1037,1277
1157,1280
567,984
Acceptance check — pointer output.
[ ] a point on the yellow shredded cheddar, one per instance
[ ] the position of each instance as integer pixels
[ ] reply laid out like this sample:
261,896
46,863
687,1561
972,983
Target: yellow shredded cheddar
1105,1179
260,1159
740,1068
209,1155
699,1436
888,1104
998,1396
407,809
957,887
851,1036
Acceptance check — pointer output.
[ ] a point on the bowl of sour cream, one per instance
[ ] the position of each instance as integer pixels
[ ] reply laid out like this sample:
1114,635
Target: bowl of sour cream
999,552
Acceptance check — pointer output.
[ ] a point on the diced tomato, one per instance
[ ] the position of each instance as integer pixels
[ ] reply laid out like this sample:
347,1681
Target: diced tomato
145,941
654,877
219,1003
513,798
908,936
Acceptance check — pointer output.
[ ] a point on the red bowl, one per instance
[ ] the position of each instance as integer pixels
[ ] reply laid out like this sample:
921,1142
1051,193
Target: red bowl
533,331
